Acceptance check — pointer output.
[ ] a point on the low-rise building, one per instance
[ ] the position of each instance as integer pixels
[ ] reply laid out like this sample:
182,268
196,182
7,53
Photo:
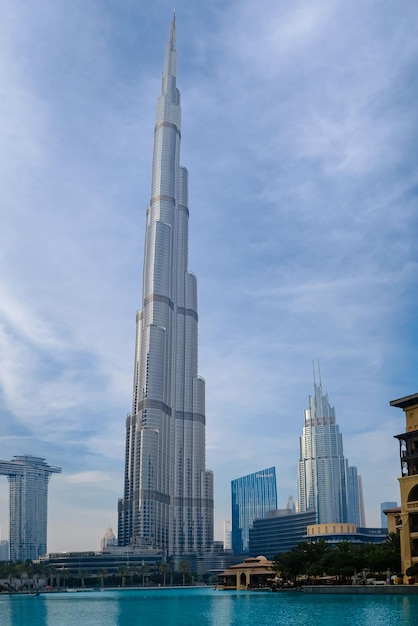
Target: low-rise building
111,560
252,573
335,533
279,531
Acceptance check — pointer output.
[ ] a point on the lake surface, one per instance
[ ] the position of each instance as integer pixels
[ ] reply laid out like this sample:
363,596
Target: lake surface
206,607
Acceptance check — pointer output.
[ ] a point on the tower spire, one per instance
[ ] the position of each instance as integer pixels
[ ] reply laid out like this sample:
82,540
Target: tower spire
170,63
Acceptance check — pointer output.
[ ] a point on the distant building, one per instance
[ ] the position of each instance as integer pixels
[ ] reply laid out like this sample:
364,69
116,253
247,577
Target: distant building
279,531
4,550
290,505
252,497
408,482
355,501
394,520
227,535
28,479
109,539
214,561
325,482
361,502
383,507
111,560
335,533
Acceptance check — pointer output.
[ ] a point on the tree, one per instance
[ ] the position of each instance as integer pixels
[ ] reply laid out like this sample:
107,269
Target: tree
384,556
183,569
81,575
123,572
103,573
165,569
144,569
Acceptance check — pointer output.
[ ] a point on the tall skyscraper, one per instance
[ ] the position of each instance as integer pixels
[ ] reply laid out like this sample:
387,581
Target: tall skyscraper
355,504
28,479
325,483
168,494
252,497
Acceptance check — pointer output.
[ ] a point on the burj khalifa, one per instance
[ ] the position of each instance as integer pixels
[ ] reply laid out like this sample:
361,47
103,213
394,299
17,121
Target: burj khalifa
168,493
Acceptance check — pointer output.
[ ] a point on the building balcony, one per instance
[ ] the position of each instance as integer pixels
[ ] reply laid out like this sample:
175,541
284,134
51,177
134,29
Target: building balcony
412,505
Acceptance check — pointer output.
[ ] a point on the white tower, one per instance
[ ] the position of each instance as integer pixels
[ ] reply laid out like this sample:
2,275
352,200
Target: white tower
168,495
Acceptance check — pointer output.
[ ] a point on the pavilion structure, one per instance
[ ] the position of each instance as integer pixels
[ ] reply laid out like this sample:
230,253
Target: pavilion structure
252,573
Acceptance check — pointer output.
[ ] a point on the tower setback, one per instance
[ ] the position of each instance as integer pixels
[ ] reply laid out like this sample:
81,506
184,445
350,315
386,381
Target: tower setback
168,494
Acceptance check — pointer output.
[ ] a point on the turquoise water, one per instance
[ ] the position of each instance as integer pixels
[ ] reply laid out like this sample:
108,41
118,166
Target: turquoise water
205,607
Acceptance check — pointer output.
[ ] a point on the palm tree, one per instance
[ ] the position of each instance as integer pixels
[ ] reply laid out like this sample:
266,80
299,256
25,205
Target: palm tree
53,575
183,569
103,573
123,573
165,569
144,569
81,575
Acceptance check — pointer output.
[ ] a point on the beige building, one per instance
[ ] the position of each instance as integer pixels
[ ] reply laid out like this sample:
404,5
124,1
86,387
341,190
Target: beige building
316,530
408,448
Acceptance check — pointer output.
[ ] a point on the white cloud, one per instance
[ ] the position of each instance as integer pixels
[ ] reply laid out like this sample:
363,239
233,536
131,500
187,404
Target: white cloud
86,478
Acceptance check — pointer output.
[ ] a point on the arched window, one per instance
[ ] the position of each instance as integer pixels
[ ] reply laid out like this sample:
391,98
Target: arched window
413,494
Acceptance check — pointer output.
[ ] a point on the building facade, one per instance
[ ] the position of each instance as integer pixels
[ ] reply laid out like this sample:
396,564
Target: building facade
279,531
355,501
28,481
336,533
227,535
384,506
252,496
4,550
325,482
93,563
168,493
407,519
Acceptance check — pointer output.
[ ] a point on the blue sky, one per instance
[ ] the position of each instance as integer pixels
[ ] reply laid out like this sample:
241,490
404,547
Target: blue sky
300,136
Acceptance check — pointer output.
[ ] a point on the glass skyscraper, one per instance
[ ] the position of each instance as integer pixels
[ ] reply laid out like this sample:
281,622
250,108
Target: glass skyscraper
28,479
325,481
252,497
168,493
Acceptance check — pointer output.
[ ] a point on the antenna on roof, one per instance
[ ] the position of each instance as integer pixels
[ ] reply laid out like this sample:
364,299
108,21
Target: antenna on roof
319,372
